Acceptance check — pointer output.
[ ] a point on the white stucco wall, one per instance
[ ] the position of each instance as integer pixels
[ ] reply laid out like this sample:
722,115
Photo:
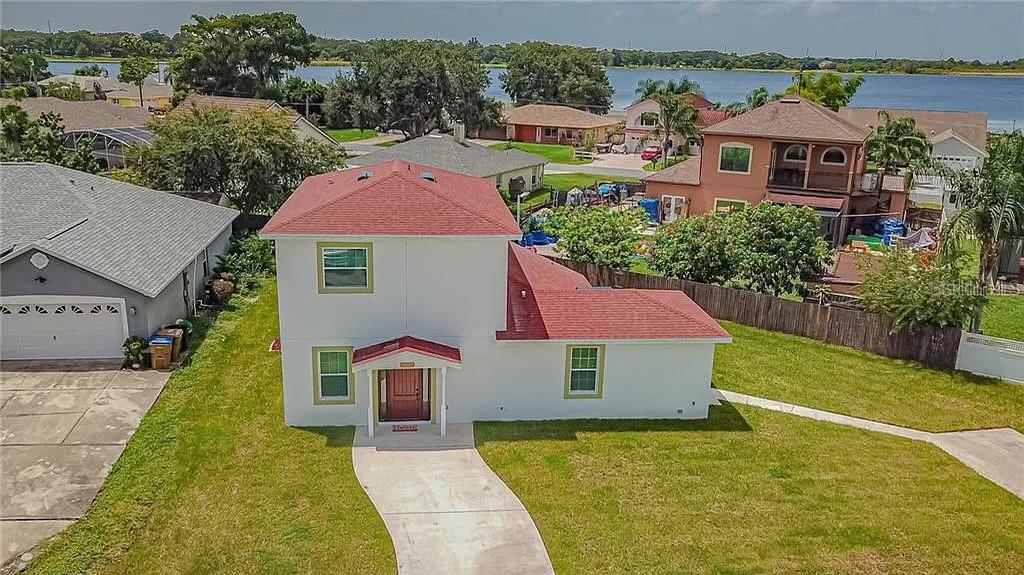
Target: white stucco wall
533,176
452,291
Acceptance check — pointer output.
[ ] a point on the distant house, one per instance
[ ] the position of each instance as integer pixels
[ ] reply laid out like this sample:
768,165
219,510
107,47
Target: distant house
553,124
87,261
300,125
109,128
155,96
790,151
959,141
455,154
642,117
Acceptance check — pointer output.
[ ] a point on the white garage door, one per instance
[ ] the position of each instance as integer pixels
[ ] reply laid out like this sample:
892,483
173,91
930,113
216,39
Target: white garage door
61,328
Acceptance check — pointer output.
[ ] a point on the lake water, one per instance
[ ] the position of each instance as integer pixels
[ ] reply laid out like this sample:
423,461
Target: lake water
1001,97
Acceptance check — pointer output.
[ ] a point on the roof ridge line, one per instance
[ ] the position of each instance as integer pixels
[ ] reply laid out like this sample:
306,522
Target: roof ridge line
833,117
422,184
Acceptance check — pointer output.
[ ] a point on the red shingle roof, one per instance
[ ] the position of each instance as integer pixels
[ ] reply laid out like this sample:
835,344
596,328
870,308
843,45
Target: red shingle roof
407,343
710,116
549,301
343,204
791,118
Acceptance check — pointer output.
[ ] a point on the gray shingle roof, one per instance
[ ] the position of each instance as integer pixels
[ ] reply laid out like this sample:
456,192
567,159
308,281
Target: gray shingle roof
135,236
443,151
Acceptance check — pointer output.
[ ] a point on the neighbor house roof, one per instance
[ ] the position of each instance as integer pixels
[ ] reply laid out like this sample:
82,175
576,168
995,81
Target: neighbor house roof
686,172
555,117
972,126
406,343
445,152
362,202
711,116
134,236
549,301
698,101
791,118
108,85
84,115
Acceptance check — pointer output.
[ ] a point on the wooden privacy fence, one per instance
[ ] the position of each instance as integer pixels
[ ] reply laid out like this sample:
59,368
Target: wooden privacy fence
935,346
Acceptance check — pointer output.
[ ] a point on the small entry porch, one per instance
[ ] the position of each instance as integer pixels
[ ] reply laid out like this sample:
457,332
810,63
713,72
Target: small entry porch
408,381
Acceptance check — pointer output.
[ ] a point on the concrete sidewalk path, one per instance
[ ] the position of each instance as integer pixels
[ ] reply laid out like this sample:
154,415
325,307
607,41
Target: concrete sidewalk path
996,454
445,510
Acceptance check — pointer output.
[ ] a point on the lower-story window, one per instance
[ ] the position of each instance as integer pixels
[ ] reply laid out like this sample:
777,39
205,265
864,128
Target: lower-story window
726,206
584,371
333,379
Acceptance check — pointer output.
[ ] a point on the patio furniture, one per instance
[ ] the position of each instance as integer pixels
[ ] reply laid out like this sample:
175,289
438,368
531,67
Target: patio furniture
604,148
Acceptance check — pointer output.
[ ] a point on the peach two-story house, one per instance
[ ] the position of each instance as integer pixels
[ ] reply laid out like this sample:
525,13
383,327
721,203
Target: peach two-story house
790,151
642,119
429,314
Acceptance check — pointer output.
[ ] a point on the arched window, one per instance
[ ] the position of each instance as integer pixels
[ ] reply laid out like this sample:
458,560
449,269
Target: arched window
834,157
795,153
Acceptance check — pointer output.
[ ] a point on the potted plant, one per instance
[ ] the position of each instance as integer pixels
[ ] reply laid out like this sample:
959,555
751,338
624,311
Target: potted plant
132,348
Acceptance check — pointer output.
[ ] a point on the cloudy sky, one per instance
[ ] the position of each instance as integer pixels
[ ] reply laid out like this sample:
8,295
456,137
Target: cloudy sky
917,29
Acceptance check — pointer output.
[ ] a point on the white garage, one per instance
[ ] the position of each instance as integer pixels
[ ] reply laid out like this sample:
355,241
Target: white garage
62,327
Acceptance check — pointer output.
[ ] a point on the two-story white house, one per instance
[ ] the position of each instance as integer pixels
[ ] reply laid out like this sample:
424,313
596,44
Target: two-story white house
403,299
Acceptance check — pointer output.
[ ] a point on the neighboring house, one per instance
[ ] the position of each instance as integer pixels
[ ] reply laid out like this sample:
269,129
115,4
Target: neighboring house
455,154
155,96
403,299
643,116
552,124
789,151
87,261
300,125
109,128
959,142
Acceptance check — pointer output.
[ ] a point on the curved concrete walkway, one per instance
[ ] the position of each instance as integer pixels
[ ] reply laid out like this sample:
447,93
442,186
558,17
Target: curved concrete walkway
997,454
445,510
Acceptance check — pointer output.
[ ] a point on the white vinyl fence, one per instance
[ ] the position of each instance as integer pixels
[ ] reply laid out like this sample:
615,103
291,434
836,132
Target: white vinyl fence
991,356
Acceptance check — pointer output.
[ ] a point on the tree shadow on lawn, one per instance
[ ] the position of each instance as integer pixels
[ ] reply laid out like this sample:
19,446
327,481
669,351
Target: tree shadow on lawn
720,418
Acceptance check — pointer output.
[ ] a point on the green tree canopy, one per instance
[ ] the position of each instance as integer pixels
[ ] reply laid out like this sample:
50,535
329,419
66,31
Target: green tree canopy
551,73
255,158
239,54
418,87
767,248
90,70
17,68
65,91
829,89
898,143
41,140
597,234
338,101
135,70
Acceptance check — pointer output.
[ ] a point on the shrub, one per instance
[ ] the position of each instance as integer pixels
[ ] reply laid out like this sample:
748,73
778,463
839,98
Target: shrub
597,234
249,259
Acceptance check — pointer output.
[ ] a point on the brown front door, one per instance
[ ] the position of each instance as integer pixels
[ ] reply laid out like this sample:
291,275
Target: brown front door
405,394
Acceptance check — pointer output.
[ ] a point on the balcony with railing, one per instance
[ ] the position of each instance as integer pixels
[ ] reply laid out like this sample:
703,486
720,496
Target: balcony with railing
800,179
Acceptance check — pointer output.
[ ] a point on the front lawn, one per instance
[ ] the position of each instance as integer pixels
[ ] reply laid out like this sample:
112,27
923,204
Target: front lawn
1004,317
351,134
751,491
658,165
214,482
556,153
844,380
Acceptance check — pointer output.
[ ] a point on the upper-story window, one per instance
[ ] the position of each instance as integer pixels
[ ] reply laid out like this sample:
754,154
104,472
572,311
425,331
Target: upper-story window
345,267
796,153
649,119
834,157
734,158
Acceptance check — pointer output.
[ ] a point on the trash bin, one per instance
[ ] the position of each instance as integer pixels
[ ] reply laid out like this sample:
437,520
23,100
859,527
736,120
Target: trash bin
160,348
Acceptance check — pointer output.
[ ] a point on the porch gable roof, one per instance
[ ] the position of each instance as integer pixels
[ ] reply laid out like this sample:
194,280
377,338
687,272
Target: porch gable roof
408,344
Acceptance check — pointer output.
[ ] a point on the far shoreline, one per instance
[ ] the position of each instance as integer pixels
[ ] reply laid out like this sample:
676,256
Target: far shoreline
330,63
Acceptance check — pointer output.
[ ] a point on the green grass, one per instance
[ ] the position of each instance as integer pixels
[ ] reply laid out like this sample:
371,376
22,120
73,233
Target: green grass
844,380
387,144
751,491
213,481
351,134
557,153
580,180
1004,317
659,165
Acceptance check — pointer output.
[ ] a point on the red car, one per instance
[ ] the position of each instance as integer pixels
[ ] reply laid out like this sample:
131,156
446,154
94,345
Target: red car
650,153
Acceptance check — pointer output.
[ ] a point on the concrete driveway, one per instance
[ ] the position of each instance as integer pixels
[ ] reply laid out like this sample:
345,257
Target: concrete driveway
445,510
63,424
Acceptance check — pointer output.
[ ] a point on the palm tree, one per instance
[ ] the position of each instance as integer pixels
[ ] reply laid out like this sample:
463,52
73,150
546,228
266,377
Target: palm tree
990,206
755,99
677,116
898,143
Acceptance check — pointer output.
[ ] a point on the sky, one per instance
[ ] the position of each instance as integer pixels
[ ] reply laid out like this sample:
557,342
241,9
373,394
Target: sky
913,29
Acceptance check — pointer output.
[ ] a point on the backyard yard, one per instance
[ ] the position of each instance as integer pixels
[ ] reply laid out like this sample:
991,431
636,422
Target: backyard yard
567,181
351,134
751,491
214,482
844,380
557,153
1004,317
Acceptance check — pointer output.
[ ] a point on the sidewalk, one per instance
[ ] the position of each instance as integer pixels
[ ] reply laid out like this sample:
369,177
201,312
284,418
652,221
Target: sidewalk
445,510
996,454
